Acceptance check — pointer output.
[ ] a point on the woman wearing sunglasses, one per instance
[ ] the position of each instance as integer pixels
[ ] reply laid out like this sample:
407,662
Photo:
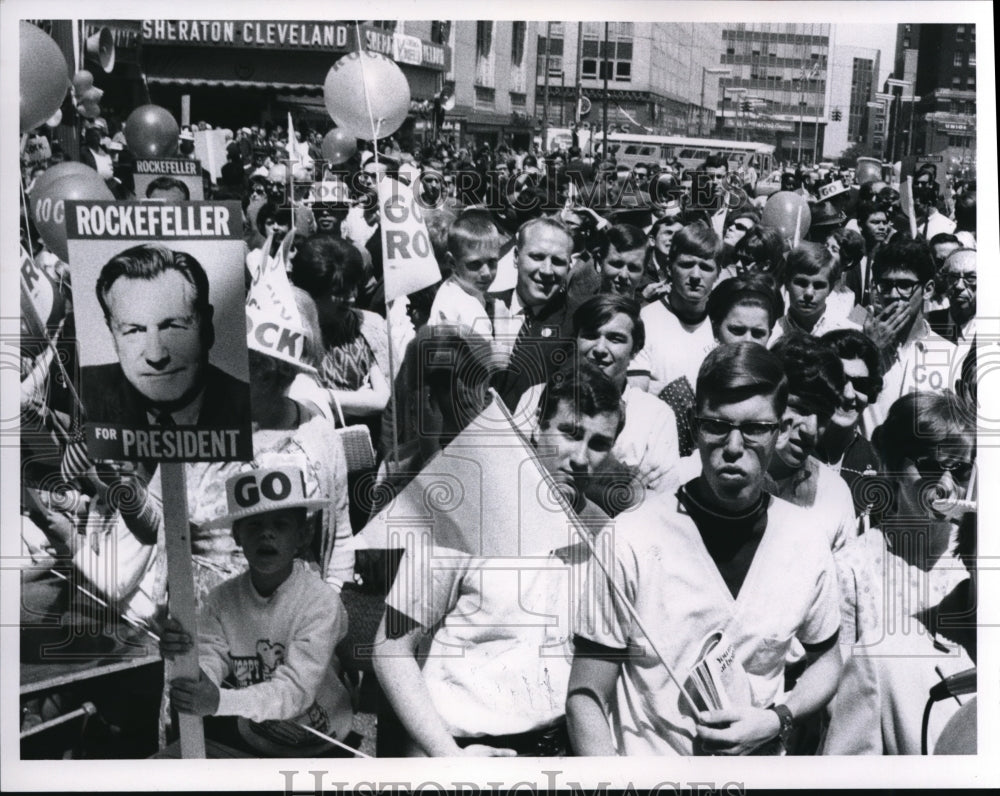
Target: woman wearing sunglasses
843,447
908,598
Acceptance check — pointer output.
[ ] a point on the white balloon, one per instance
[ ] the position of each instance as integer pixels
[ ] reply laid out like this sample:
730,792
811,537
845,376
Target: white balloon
367,95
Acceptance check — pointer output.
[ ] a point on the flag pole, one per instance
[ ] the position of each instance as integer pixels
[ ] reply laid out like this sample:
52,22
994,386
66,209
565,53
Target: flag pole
583,534
391,375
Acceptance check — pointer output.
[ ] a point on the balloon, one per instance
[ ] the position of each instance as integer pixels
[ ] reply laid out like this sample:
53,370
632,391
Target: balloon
82,80
48,206
44,76
56,119
868,170
58,171
781,212
151,132
388,95
89,110
338,146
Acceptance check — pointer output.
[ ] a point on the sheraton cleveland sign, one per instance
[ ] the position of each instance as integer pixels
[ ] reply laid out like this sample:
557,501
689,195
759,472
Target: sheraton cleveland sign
284,34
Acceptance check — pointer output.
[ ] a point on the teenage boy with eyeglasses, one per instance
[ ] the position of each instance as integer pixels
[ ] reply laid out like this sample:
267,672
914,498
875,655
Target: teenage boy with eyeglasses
914,358
722,555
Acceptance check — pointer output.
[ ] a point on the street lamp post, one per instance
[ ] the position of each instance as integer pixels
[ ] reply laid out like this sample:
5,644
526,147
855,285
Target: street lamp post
706,70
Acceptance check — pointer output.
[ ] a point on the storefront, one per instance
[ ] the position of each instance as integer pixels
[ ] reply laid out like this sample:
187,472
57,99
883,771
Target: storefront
241,72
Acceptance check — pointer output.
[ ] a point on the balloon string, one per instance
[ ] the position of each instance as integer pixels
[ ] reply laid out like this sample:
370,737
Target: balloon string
40,323
368,103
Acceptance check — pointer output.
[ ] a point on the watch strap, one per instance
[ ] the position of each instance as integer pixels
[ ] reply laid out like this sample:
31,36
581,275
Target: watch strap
786,719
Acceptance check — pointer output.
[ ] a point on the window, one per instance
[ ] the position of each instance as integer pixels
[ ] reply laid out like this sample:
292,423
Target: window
956,81
957,60
960,33
555,57
440,31
619,52
906,42
972,58
518,34
485,58
970,82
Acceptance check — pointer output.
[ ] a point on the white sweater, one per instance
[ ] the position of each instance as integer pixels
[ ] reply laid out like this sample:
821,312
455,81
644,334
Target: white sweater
278,651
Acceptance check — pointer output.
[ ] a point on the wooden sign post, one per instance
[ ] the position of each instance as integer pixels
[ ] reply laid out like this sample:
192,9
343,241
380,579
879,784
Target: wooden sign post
180,586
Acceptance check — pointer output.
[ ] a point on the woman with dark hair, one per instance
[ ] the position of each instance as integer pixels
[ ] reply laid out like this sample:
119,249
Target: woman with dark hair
898,581
762,250
848,247
354,365
745,308
843,447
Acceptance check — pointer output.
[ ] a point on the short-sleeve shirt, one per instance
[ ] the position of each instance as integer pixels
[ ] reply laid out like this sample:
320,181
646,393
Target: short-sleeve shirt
662,566
499,642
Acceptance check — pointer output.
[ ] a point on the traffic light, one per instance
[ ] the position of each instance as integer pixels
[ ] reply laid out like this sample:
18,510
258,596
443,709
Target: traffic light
836,115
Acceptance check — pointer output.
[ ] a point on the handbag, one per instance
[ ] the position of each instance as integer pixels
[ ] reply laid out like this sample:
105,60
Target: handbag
357,441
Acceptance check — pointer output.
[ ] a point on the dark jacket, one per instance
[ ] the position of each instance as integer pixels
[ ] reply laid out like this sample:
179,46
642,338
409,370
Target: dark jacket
109,398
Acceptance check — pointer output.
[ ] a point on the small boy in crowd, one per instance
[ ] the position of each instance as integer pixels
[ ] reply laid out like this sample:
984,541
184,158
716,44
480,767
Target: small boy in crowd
268,633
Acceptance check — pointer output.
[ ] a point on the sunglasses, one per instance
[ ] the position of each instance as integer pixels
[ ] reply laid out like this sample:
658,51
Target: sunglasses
931,468
715,430
866,385
742,227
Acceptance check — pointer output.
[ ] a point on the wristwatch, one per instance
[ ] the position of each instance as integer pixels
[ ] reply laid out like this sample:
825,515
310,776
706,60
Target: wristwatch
787,722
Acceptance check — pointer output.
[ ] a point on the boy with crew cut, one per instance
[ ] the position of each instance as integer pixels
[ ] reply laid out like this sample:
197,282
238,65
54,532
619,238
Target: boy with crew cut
268,633
472,255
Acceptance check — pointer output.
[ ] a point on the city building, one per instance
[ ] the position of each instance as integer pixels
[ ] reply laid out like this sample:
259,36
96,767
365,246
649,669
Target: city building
852,85
936,65
776,89
660,75
491,79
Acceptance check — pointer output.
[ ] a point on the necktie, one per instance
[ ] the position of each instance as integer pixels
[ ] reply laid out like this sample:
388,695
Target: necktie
165,419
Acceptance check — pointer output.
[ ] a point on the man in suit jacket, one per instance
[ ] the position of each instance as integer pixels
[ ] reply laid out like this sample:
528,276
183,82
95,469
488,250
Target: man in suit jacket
540,322
156,306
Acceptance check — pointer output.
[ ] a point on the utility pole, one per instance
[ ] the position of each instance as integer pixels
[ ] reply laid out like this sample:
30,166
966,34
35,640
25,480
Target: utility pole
545,94
604,151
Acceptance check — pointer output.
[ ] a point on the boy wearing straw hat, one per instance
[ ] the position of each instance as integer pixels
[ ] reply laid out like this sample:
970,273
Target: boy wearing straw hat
270,632
722,559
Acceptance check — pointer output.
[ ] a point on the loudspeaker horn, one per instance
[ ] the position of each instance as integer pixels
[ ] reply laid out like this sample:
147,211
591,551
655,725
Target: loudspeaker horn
101,48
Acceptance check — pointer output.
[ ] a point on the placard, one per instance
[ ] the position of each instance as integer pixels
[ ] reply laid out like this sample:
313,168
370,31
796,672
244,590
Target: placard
158,293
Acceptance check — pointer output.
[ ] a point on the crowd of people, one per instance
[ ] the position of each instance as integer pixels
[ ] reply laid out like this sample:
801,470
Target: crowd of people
771,437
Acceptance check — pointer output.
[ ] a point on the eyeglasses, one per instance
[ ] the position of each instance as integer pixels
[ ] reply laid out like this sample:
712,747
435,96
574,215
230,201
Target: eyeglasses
866,385
754,432
953,279
933,469
905,287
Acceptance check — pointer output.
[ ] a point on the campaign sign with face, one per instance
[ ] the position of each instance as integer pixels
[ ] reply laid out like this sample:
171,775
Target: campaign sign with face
159,296
169,179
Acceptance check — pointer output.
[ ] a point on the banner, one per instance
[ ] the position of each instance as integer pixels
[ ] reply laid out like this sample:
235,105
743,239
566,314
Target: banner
408,258
160,172
486,494
158,295
210,149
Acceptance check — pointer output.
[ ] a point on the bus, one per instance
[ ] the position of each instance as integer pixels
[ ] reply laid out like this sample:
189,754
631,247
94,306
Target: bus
632,148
